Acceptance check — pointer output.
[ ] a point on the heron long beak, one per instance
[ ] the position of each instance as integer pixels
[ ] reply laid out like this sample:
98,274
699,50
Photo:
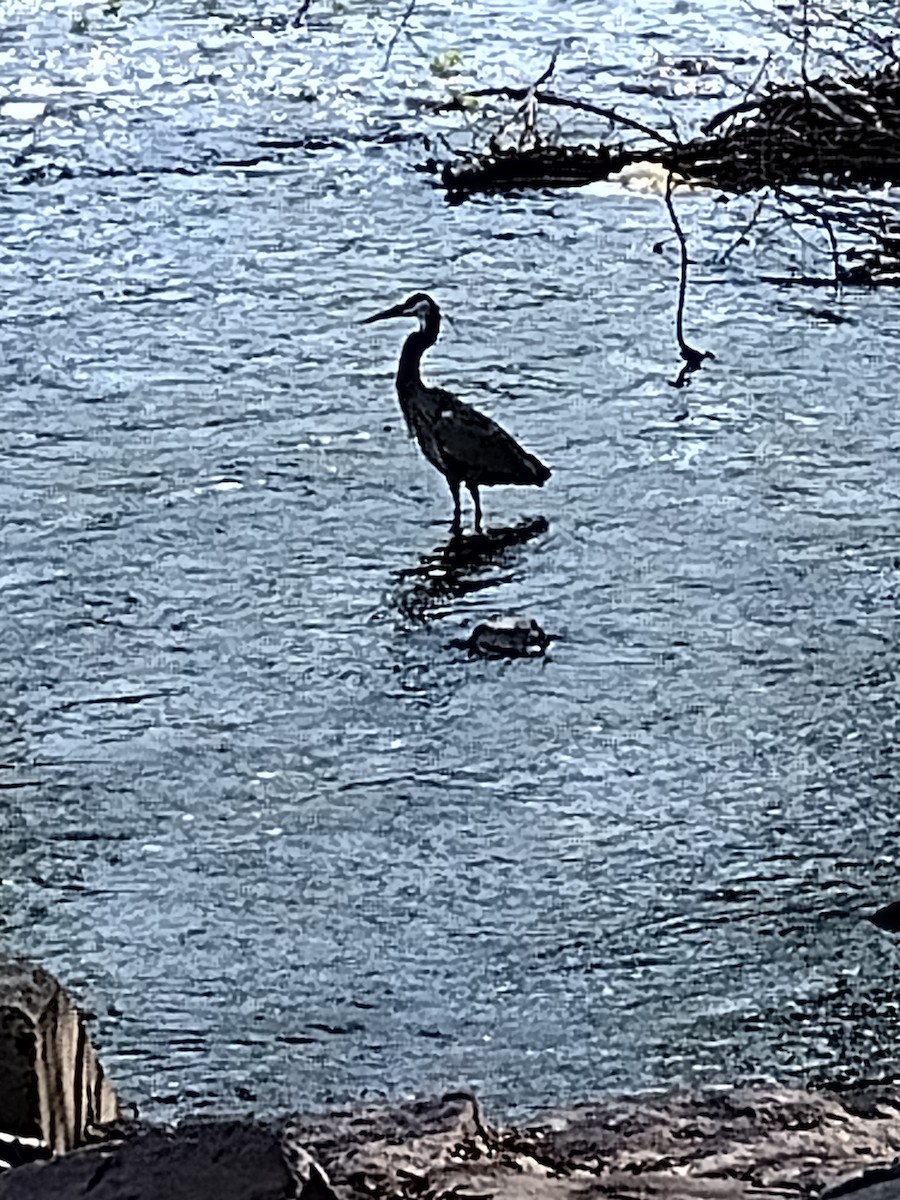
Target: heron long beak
396,311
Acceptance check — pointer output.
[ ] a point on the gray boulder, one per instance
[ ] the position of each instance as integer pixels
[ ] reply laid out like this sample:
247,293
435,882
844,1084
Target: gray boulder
210,1160
875,1184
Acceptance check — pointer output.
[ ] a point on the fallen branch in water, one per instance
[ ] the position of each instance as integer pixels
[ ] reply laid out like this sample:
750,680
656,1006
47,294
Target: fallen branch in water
839,134
827,132
824,131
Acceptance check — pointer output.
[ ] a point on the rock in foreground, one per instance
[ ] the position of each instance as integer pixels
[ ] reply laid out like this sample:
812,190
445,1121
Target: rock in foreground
743,1143
53,1091
215,1160
747,1142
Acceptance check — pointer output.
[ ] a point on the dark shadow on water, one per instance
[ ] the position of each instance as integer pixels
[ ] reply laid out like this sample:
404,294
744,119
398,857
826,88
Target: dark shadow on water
467,562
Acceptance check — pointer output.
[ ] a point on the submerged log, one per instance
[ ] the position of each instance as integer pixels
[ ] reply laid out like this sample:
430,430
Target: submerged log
506,637
511,168
888,917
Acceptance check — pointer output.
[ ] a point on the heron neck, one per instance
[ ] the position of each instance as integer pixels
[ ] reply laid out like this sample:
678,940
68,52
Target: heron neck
413,349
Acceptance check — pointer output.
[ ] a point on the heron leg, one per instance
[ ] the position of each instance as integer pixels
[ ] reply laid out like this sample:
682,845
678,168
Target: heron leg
454,490
476,500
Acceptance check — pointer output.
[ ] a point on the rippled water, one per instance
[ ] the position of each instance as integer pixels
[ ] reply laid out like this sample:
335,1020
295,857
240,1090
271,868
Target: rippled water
288,842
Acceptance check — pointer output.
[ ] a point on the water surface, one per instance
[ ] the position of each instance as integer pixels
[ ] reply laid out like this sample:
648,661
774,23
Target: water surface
286,841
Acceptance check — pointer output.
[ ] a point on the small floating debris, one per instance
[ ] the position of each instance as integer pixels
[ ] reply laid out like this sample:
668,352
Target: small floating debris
506,637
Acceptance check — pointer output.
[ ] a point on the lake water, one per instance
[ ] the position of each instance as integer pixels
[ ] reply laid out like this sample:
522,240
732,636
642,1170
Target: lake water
289,844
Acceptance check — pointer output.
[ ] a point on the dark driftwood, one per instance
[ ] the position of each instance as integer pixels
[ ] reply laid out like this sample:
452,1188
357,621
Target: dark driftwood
830,133
537,166
823,131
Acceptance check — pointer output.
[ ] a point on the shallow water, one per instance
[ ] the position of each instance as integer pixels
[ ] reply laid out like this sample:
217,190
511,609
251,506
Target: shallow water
289,843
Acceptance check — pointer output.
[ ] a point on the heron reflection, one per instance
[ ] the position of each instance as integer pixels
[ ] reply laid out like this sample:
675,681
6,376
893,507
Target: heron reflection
465,564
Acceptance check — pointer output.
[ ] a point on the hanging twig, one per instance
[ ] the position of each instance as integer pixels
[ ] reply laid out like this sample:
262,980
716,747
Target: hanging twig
741,238
748,104
300,14
820,216
692,358
393,42
804,44
548,73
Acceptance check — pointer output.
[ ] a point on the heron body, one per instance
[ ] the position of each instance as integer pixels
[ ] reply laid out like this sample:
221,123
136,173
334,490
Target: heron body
466,446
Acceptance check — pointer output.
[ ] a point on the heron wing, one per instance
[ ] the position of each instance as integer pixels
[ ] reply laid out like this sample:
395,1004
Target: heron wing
476,450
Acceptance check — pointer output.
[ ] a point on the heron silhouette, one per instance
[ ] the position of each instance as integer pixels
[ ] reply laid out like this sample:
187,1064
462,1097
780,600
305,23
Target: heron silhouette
465,445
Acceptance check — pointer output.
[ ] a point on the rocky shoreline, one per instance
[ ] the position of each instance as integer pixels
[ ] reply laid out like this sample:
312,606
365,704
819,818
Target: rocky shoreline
746,1142
701,1145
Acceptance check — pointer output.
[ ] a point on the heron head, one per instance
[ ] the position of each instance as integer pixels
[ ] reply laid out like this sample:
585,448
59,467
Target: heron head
418,305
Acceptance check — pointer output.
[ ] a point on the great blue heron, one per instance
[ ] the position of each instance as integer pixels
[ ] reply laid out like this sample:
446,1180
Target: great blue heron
465,445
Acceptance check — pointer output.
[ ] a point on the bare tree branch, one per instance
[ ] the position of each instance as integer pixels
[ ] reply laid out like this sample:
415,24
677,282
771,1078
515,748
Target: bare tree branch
393,42
548,73
818,212
550,98
741,239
